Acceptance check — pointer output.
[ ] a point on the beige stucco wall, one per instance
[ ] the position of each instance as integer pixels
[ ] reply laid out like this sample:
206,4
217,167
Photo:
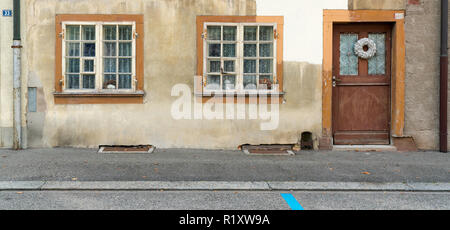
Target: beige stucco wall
6,80
376,4
170,59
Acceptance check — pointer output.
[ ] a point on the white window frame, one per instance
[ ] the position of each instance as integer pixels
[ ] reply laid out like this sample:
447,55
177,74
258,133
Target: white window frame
98,59
239,65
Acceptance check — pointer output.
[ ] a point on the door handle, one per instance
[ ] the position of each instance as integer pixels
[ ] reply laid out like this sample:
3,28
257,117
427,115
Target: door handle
335,80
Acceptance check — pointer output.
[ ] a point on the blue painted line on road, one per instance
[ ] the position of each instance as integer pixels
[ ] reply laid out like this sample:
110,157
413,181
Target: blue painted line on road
292,202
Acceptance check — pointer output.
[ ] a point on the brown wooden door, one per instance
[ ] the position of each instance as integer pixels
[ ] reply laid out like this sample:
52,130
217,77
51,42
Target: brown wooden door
361,87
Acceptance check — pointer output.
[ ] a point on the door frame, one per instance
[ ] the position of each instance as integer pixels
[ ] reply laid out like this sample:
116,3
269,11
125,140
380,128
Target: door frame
330,17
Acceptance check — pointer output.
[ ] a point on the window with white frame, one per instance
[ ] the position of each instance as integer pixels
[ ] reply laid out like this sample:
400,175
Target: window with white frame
99,56
239,57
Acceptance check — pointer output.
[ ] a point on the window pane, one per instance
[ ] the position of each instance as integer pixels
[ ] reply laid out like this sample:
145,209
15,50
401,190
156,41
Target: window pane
125,32
88,32
214,32
88,66
124,65
89,49
228,66
125,49
73,81
125,81
265,82
249,66
266,50
73,65
214,50
229,33
213,82
229,82
109,65
109,32
348,60
109,81
265,66
250,33
249,50
266,33
73,32
249,82
110,49
229,50
88,81
214,67
377,64
73,49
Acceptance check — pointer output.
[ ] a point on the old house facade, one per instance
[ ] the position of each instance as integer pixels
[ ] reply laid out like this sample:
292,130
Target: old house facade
217,74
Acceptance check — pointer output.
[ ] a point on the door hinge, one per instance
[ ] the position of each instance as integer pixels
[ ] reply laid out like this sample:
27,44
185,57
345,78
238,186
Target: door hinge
204,35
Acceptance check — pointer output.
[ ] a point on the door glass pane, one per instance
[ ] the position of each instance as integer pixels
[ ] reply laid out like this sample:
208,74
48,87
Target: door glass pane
249,50
229,33
88,32
250,33
88,81
213,82
229,82
214,32
229,50
125,81
250,82
348,60
377,64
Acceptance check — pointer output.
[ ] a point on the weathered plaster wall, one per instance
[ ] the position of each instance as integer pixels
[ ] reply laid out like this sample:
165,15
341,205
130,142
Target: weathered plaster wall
170,59
376,4
422,27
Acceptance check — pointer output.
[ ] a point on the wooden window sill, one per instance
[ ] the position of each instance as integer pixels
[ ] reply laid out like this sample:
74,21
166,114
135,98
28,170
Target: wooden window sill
99,97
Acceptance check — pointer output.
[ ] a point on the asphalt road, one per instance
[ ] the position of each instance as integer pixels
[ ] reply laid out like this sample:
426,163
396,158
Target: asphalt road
220,200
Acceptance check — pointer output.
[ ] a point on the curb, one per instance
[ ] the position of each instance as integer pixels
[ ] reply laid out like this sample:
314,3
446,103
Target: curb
222,185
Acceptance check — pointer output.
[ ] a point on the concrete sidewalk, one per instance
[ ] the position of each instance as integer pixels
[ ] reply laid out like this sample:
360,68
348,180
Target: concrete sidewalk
67,168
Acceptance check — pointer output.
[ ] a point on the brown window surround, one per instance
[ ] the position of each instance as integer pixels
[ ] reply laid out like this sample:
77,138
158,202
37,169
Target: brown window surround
135,97
201,20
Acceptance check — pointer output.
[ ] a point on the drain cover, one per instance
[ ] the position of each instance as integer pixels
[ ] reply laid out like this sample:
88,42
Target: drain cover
126,149
268,149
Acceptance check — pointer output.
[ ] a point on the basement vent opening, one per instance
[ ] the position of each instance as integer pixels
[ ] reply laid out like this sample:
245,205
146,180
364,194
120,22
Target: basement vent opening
307,141
126,148
277,149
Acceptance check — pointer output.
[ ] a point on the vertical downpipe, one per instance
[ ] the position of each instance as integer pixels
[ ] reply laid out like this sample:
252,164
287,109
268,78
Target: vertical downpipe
17,103
444,77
